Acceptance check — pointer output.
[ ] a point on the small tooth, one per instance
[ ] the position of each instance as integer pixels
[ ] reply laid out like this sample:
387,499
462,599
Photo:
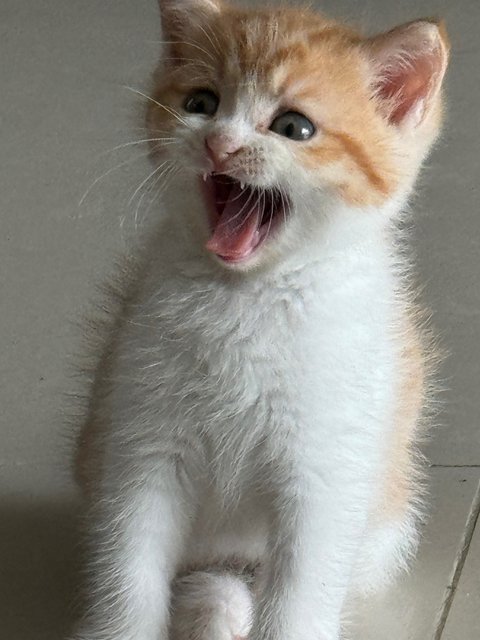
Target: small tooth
242,185
205,176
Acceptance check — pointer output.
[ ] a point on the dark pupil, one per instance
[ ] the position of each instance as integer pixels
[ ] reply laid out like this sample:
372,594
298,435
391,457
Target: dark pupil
198,105
290,130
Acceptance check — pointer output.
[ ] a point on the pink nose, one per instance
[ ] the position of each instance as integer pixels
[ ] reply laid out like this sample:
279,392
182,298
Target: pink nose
220,147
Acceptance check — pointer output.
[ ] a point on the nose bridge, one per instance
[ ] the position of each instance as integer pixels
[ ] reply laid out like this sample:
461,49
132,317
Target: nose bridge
228,135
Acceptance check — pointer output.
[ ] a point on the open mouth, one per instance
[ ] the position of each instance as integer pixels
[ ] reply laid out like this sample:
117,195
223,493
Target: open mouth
242,216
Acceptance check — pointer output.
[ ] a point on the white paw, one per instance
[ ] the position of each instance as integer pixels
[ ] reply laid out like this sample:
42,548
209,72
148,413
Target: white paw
211,606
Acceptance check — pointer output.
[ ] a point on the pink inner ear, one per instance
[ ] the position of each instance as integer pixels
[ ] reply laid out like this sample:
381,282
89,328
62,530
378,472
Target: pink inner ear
410,62
409,82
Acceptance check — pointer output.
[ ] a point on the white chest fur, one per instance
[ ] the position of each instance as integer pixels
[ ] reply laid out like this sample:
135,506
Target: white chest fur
237,362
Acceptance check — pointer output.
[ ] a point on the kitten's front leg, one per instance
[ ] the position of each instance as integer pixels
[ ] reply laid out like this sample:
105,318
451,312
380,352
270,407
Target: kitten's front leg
319,519
136,534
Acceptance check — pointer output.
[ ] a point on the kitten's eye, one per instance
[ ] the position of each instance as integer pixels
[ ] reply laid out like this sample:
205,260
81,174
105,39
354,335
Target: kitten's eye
293,125
202,101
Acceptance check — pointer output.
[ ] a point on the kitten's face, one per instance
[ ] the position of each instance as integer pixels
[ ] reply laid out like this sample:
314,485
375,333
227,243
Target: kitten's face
282,116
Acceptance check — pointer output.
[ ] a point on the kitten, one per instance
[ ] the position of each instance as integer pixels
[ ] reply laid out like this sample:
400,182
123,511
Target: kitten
250,454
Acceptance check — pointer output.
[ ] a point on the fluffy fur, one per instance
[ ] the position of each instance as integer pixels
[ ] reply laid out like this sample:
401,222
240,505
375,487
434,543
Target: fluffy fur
249,458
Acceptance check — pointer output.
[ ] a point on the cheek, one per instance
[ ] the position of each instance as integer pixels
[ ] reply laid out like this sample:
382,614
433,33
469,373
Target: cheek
172,137
280,163
354,177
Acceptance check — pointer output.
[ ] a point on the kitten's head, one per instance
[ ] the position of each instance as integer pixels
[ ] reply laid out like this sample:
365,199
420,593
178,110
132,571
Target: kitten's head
281,117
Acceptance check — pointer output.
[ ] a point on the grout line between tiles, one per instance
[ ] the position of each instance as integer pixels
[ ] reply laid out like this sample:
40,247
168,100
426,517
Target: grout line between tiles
454,466
458,565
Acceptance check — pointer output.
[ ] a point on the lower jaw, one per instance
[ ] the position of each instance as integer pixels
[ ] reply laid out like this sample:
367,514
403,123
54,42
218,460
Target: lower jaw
233,261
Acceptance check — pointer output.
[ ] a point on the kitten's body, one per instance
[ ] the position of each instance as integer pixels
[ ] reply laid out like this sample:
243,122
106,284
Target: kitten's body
263,419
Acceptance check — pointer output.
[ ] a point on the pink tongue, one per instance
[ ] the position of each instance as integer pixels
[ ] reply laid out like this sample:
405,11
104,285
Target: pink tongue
236,232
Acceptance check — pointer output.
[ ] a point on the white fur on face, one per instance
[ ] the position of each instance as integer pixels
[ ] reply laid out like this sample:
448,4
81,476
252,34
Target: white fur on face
269,161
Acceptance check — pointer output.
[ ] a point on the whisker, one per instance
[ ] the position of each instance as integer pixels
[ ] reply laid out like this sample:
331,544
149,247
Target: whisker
251,210
201,64
180,59
188,44
214,35
231,199
134,142
104,175
124,217
167,177
150,189
271,216
174,169
150,175
201,78
149,130
162,106
255,205
216,49
284,202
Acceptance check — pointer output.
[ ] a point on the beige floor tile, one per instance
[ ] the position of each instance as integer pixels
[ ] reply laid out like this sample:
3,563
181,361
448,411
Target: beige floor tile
409,610
463,623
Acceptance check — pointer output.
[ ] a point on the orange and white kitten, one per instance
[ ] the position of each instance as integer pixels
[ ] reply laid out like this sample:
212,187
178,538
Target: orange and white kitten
249,458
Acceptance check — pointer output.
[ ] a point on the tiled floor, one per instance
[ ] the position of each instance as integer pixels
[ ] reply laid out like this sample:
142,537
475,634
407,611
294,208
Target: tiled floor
63,69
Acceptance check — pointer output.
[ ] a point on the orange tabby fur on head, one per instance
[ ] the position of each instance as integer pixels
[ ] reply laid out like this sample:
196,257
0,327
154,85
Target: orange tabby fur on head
327,71
260,400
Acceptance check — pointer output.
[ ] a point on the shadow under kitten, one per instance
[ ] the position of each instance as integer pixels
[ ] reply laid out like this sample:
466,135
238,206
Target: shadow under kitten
38,560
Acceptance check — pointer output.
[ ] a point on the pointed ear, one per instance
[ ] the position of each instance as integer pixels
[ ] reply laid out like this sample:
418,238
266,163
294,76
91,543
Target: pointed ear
409,64
178,14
